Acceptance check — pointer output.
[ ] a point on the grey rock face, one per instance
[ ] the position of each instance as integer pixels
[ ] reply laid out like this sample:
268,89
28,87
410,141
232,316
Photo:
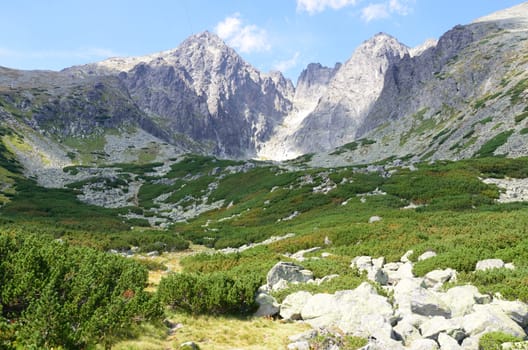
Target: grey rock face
288,272
350,95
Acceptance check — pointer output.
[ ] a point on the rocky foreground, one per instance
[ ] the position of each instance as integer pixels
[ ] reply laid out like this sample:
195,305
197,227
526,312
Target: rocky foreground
412,312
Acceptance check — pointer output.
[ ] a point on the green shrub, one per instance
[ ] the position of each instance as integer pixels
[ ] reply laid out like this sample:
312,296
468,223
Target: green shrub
216,293
494,340
69,297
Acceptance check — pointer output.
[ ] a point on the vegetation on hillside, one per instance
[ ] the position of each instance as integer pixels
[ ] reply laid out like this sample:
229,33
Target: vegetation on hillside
51,239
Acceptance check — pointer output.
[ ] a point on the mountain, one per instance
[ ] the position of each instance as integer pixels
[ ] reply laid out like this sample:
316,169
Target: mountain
457,97
201,97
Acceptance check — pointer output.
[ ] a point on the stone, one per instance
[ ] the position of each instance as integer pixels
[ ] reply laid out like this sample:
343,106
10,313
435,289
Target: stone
281,285
299,345
268,305
509,266
471,343
325,279
488,318
523,345
435,278
424,344
516,310
299,256
406,332
438,324
190,345
153,253
293,304
427,255
320,305
405,257
288,272
374,219
312,333
379,262
403,272
383,344
447,343
461,299
392,266
362,263
487,264
426,303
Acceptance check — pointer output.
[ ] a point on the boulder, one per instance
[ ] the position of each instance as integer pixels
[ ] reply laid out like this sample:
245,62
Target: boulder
379,262
435,279
362,263
487,264
320,305
461,299
312,333
402,293
488,318
447,343
392,266
405,257
471,343
516,310
438,324
292,305
406,332
427,255
424,344
268,305
426,303
288,272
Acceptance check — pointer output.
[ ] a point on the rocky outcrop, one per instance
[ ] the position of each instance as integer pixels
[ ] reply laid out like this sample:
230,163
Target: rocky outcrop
350,95
419,315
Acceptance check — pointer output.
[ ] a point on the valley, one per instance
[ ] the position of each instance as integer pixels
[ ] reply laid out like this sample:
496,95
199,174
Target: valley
186,200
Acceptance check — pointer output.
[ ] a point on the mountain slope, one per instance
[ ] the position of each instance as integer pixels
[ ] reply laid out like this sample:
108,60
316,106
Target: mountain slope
464,97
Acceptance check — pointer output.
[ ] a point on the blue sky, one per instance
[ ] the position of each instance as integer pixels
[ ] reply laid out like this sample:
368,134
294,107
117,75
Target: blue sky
271,34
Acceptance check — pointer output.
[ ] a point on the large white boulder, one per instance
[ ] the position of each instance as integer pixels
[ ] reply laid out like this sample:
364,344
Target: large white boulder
516,310
293,304
488,318
268,305
427,303
461,299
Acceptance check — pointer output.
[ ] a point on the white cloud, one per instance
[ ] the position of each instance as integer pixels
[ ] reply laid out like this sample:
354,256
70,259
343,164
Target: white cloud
401,7
315,6
375,11
384,10
245,37
283,66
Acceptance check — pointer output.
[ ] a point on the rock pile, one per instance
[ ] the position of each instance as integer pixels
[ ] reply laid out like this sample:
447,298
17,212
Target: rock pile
412,312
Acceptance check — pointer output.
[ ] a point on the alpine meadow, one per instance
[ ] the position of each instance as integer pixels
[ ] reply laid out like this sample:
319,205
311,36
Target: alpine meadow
187,200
